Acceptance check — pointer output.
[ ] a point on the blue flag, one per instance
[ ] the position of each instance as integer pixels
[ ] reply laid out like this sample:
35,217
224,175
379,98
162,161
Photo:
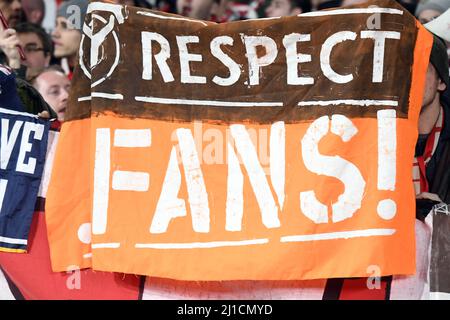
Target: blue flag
23,146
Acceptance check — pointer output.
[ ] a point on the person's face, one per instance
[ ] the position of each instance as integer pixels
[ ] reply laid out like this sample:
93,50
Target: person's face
34,51
54,87
428,15
433,84
280,8
65,38
12,10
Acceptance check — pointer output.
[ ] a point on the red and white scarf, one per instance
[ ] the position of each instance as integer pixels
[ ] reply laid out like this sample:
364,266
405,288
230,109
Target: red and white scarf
420,163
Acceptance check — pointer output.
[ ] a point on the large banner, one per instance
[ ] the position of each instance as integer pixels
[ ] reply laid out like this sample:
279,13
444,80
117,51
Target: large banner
440,248
270,149
23,147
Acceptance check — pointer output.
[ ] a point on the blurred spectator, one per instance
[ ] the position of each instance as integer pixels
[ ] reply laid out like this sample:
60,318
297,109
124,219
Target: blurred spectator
136,3
9,98
12,10
428,11
433,144
54,86
66,36
225,10
161,5
280,8
34,11
50,15
37,46
431,10
346,3
198,9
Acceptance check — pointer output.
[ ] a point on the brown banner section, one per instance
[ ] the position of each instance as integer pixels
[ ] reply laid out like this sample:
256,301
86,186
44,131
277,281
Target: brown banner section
157,66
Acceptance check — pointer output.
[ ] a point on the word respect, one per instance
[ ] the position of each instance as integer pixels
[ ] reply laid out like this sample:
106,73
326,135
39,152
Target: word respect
256,61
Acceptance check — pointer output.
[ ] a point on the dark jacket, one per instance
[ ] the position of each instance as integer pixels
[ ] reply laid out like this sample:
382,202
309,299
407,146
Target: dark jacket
32,100
438,170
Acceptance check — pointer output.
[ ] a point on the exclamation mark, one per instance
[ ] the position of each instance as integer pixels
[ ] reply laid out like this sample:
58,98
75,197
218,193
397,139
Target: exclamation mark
387,160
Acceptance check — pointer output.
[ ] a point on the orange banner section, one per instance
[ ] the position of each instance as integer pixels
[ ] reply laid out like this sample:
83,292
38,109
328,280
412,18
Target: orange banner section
197,192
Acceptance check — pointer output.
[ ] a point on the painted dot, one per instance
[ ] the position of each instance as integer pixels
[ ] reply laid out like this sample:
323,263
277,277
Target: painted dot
387,209
84,233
